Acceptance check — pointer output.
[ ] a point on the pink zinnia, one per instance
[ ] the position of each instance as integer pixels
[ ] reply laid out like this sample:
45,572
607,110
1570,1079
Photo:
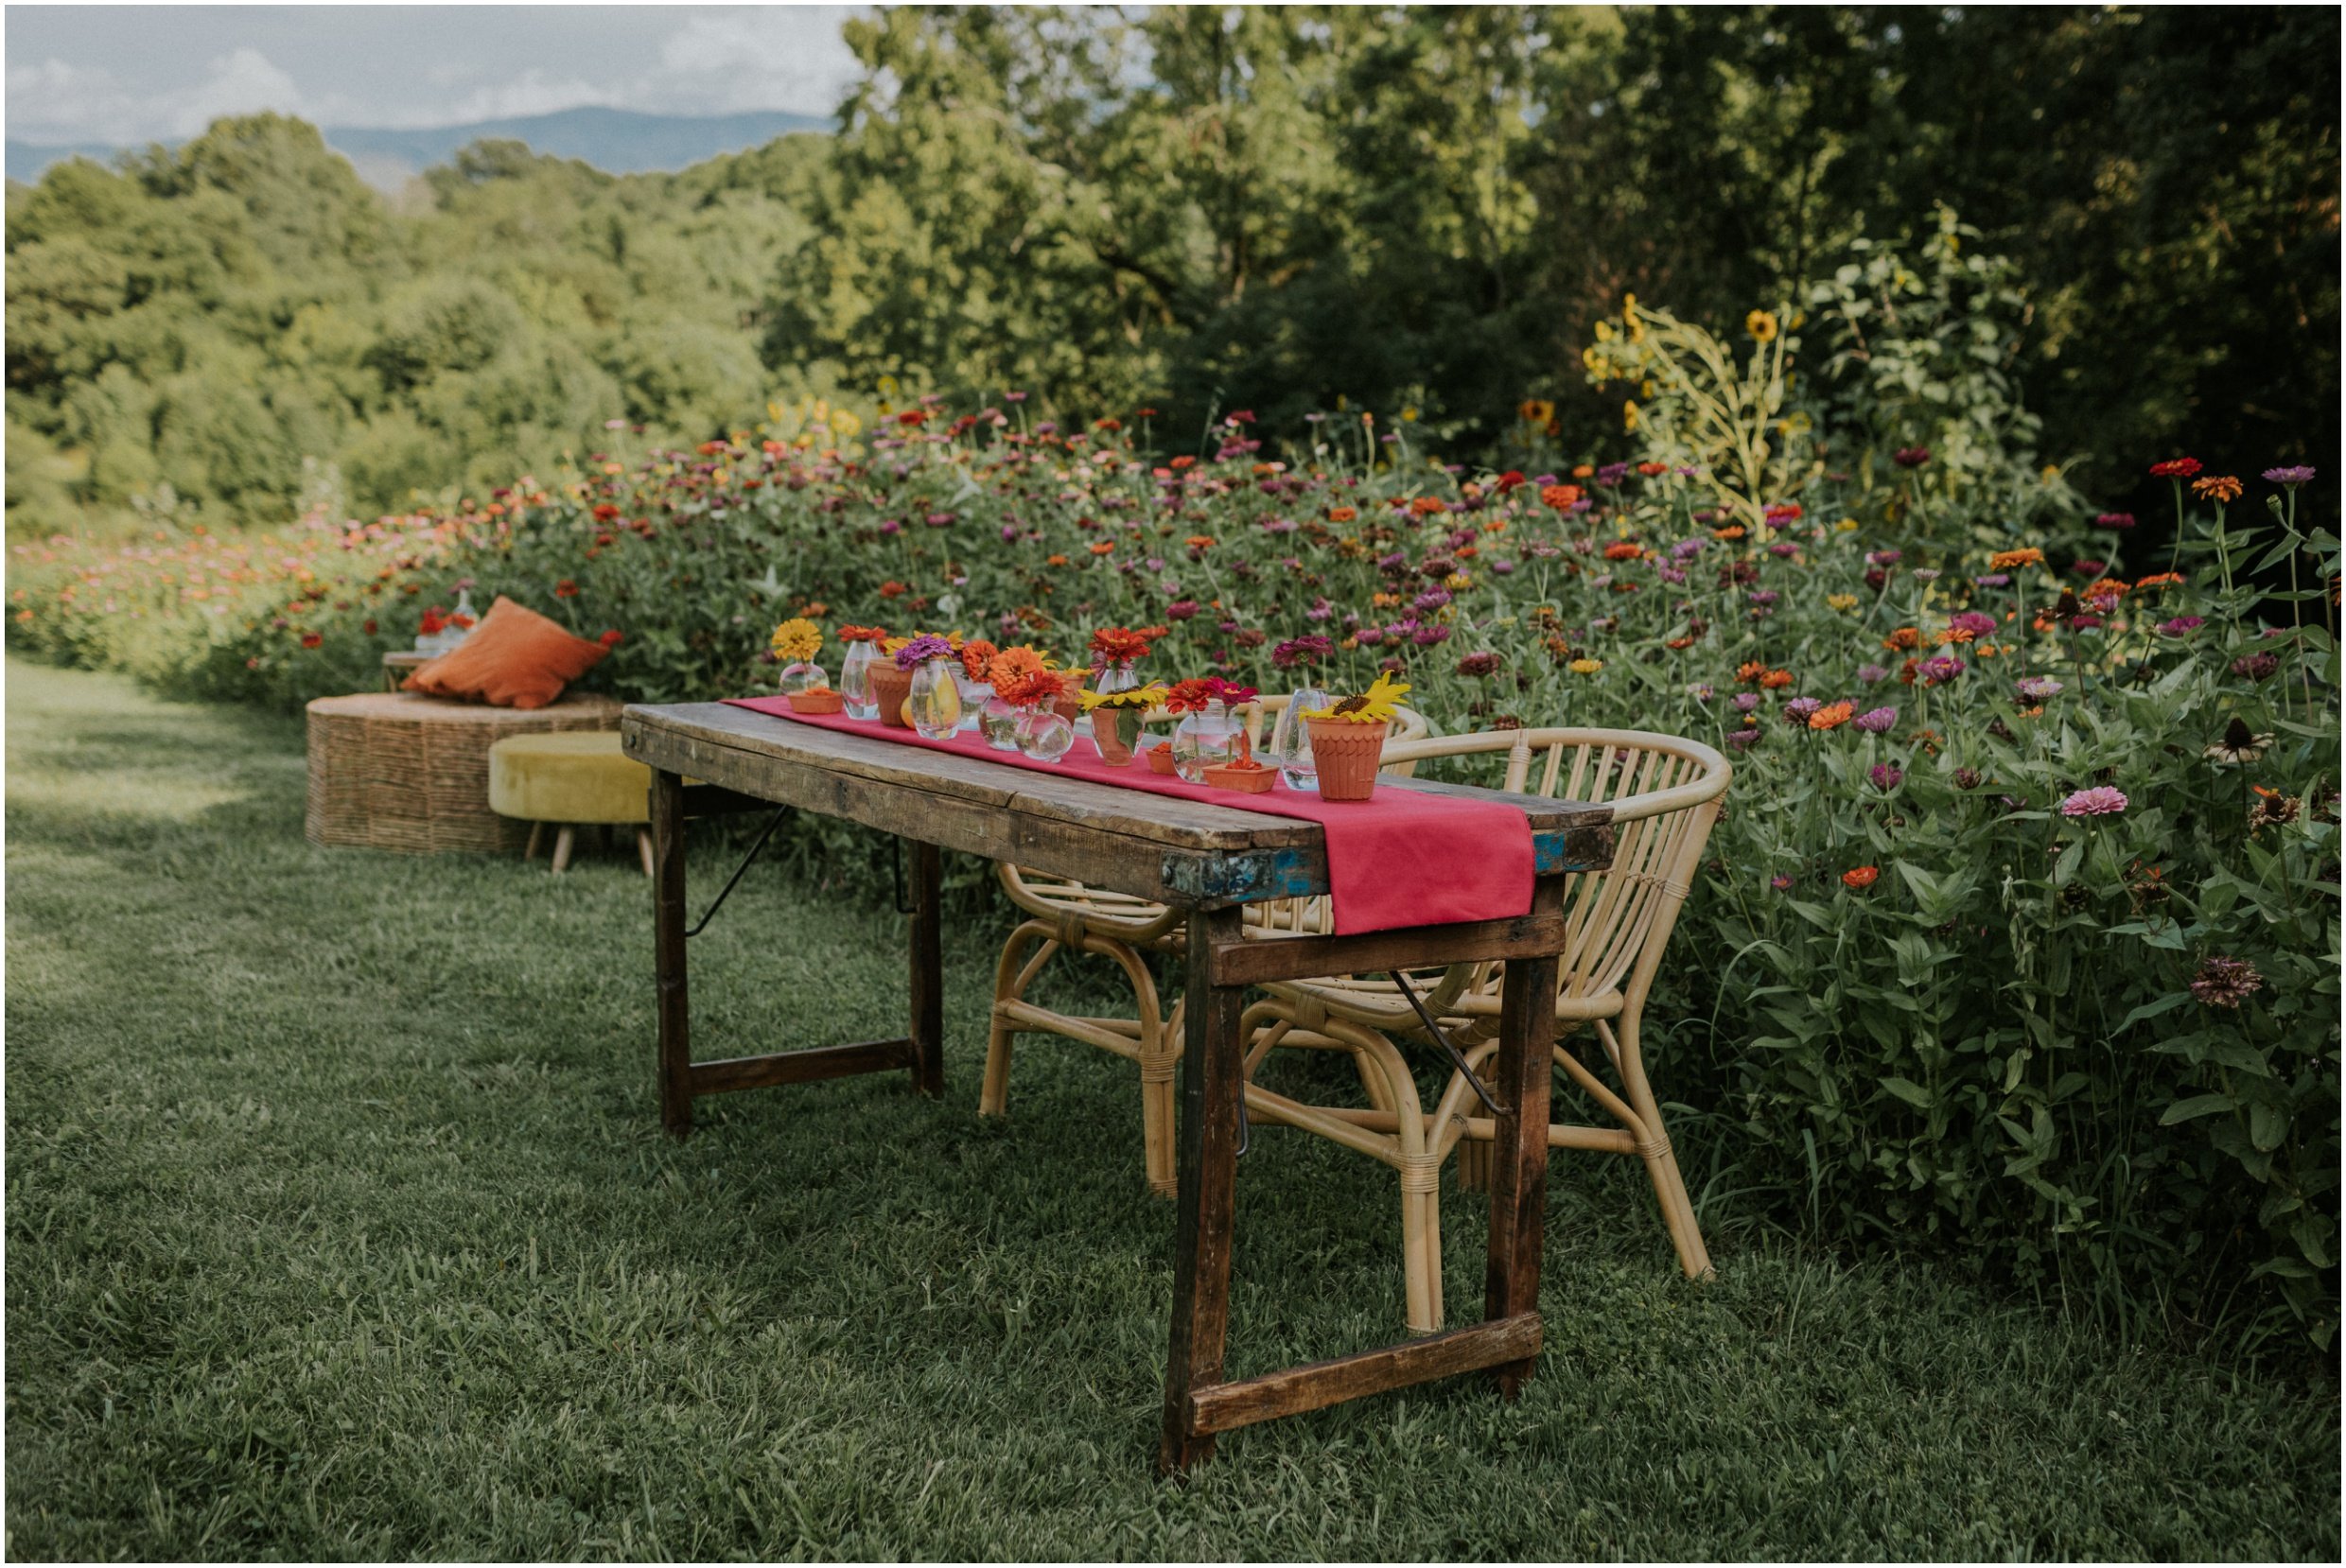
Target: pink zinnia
2100,801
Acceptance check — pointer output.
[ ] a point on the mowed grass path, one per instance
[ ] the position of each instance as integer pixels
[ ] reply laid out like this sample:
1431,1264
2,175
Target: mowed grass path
338,1226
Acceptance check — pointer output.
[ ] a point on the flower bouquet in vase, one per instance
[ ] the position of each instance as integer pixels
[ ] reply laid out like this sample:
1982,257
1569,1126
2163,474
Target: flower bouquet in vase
795,643
997,720
932,696
890,680
1042,732
862,657
1117,718
1348,738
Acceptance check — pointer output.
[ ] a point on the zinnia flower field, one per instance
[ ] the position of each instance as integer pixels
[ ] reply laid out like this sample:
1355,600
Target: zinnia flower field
2019,939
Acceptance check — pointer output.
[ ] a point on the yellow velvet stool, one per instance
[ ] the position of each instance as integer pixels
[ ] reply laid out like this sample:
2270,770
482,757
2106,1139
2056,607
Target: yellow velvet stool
570,780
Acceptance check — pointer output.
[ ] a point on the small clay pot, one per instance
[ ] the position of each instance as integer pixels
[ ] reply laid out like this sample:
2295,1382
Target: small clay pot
890,687
1250,779
817,699
1160,758
1346,755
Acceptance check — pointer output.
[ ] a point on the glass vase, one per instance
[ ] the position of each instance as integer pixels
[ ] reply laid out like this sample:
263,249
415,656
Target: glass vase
1291,739
1203,739
855,682
934,700
998,723
802,675
974,696
1044,734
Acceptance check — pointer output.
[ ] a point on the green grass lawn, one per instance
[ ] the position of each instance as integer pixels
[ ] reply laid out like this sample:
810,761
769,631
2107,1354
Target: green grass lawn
339,1225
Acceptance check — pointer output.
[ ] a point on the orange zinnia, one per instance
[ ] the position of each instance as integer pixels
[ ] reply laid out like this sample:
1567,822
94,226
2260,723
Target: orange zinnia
2006,560
1904,641
1750,672
2219,487
1624,550
1776,679
1861,877
1012,664
1831,716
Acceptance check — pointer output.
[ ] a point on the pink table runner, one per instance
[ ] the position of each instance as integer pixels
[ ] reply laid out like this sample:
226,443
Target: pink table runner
1402,857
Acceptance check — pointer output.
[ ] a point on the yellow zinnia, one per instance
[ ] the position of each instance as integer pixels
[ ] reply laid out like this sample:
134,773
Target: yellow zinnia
1761,326
1585,667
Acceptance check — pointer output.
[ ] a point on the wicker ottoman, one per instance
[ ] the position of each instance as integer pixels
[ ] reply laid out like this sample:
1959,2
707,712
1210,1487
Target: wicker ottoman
404,772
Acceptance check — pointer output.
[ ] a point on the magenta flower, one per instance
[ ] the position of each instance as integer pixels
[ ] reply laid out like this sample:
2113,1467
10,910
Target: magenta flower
1876,721
1973,622
1885,776
2037,687
1940,669
1182,609
923,649
2100,801
2299,475
1799,709
1746,700
2120,520
1871,675
2181,626
1478,664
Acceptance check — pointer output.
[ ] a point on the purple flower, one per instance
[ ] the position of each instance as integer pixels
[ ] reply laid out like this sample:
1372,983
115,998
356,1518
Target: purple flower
1478,664
1501,568
1743,740
1924,574
2300,475
1799,709
1181,609
1967,779
2120,520
1321,609
1765,597
2181,626
1940,669
1876,721
2084,568
1871,675
1430,600
2100,801
1885,776
1426,637
1746,700
1304,649
1911,457
939,519
1701,691
1973,622
2037,687
1779,881
923,649
2256,667
1882,557
1993,580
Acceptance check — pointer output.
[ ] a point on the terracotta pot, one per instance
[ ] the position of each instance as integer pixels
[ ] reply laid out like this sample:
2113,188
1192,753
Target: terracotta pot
1345,755
889,688
817,699
1161,756
1104,735
1250,779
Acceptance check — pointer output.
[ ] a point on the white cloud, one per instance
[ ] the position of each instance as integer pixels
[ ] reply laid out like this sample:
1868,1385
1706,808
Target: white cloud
55,102
788,58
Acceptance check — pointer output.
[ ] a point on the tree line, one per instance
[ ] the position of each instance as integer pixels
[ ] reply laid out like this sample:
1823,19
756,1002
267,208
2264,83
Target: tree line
1195,210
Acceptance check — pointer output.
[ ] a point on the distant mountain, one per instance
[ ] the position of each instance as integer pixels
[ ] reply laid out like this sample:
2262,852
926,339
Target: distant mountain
617,141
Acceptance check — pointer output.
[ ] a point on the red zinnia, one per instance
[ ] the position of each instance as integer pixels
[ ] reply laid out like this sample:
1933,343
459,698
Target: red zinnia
2174,468
1860,878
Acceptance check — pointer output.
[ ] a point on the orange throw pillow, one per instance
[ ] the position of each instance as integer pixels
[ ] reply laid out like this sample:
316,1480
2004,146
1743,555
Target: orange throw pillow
515,658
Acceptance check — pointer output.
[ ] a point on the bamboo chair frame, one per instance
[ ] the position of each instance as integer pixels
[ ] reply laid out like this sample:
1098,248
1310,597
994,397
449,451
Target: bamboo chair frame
1666,795
1065,915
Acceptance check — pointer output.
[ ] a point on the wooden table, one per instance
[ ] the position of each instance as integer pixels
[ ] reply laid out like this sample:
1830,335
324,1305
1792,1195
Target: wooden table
399,663
1209,860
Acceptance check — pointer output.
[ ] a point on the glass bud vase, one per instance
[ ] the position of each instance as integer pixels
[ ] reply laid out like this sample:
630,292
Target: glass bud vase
855,683
1044,734
934,700
802,675
1291,739
998,721
974,696
1206,738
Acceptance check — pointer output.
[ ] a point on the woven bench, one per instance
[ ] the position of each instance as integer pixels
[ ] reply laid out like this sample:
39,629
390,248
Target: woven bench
407,773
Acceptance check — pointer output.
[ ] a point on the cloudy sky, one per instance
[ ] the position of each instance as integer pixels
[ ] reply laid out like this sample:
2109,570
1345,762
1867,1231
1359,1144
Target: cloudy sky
133,73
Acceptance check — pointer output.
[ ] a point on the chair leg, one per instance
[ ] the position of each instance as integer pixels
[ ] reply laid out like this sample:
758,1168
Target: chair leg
643,848
562,849
1012,973
538,830
1160,1154
1474,1165
1661,1163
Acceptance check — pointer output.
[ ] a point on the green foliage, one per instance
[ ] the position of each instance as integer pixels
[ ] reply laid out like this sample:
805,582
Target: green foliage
210,318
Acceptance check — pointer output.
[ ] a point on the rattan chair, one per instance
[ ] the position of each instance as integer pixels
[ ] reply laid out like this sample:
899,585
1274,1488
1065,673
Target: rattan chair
1064,915
1666,795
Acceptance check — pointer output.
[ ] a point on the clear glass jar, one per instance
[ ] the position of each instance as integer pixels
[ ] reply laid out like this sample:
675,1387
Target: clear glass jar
802,675
998,723
1044,734
934,700
855,692
1203,739
974,696
1291,739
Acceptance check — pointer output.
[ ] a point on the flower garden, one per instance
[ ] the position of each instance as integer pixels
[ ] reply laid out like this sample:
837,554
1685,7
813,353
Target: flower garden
2020,936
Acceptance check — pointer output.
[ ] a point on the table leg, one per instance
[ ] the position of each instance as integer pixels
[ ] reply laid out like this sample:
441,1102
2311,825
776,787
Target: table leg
1213,1077
1519,1150
675,1026
928,984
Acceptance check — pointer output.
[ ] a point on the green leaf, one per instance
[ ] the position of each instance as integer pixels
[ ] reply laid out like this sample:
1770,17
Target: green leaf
1910,1091
2199,1104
